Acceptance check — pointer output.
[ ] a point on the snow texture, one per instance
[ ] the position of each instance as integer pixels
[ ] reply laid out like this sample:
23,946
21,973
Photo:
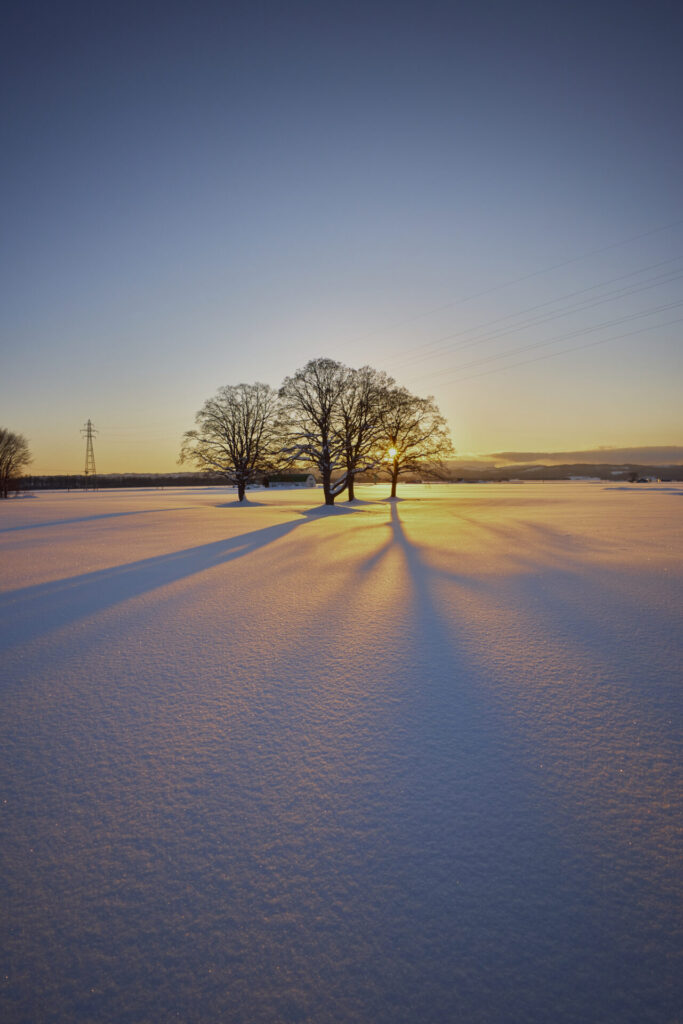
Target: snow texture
416,762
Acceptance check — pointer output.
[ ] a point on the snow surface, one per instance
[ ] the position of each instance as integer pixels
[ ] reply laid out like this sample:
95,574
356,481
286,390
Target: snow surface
413,762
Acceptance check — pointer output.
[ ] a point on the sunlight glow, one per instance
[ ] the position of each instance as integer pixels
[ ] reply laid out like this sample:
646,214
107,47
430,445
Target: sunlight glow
392,453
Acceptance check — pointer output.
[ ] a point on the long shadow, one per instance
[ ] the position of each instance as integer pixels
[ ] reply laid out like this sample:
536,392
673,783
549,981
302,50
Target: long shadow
463,790
87,519
521,539
421,573
28,613
413,556
505,865
331,510
575,590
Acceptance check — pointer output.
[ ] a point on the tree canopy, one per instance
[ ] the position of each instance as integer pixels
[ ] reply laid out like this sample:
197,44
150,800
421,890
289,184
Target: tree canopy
327,416
310,403
358,423
415,434
236,435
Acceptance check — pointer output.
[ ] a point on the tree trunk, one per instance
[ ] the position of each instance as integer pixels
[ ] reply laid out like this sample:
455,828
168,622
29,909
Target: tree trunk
349,484
241,488
394,479
327,486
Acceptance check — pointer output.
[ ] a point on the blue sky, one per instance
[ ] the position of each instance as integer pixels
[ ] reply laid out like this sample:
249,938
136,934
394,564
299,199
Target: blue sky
197,195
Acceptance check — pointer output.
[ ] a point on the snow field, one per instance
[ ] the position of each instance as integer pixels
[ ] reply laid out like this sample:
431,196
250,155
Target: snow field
411,761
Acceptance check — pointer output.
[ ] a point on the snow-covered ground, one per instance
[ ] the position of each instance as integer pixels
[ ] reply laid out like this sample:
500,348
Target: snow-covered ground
409,762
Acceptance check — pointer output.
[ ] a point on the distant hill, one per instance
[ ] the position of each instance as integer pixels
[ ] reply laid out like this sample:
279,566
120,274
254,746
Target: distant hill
536,471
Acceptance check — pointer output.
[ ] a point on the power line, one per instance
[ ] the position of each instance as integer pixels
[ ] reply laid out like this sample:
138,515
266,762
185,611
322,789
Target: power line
564,337
574,348
656,282
523,277
420,352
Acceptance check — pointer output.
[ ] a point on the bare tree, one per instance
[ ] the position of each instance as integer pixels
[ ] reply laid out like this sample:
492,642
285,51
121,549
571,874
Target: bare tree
415,434
358,427
310,405
236,435
15,455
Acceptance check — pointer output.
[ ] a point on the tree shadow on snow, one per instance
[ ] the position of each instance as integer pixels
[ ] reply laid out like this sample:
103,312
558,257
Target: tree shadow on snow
247,503
29,613
529,546
486,837
88,519
328,510
420,569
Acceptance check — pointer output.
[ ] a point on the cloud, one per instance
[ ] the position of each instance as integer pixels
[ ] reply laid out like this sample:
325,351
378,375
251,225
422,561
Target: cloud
655,455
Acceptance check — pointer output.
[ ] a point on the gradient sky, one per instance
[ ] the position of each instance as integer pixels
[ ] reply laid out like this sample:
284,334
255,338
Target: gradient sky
203,194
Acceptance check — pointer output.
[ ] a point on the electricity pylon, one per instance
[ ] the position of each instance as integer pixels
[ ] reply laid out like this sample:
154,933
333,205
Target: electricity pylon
88,431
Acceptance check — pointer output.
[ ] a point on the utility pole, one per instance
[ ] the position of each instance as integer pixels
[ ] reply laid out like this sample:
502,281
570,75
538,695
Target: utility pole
90,471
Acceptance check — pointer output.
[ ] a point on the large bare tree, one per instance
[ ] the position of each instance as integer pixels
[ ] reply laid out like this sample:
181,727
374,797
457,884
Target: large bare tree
310,406
415,434
358,424
15,455
235,435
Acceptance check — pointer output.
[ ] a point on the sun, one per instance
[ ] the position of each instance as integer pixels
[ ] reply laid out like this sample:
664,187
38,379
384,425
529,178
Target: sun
392,453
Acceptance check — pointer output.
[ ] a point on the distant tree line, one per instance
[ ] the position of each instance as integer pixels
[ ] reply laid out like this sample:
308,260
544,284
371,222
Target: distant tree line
106,481
79,482
336,420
